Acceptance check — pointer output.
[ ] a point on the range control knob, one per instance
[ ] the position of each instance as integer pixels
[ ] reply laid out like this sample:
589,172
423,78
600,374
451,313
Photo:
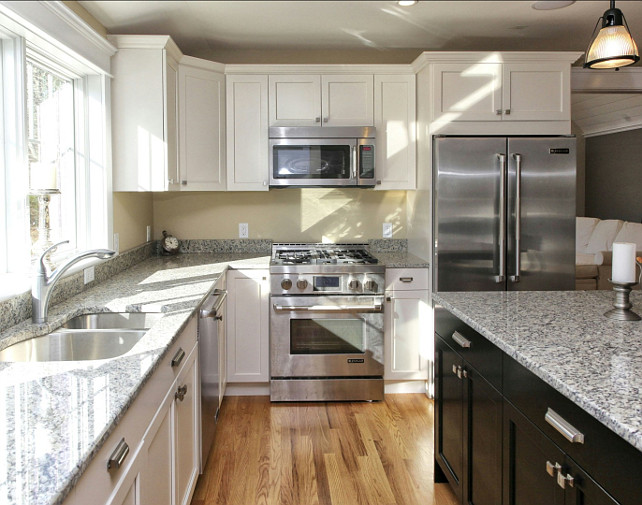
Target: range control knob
286,284
354,284
301,284
370,286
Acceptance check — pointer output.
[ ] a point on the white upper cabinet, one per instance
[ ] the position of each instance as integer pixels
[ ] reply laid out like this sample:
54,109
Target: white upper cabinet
396,131
247,132
321,100
201,120
144,113
532,91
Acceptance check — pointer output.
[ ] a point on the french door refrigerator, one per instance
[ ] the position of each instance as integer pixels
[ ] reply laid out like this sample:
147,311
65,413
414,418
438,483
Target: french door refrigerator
503,213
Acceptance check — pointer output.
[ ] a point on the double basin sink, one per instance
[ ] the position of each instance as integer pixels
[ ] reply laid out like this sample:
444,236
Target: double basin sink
94,336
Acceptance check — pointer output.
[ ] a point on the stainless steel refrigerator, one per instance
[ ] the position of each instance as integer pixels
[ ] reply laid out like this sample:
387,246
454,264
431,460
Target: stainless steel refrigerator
503,213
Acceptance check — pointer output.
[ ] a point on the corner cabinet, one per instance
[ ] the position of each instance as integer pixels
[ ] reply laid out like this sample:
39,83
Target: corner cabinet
248,313
321,100
201,122
145,113
502,435
407,337
247,132
394,121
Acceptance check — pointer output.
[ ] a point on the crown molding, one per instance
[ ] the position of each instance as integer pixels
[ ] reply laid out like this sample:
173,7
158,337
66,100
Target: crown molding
428,57
318,69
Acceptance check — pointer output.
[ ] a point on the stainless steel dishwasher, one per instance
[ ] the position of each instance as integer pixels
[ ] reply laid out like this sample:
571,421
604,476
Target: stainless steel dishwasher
211,341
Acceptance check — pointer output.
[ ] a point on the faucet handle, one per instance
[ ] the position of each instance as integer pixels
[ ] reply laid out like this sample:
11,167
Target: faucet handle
41,261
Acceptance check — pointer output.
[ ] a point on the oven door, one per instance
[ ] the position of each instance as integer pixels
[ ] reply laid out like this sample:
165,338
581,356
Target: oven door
313,162
326,336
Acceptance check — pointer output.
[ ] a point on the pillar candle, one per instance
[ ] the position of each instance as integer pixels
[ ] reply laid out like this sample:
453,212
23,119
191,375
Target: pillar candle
623,262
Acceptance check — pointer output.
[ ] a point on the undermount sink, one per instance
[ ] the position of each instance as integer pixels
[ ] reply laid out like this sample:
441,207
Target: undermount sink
100,335
114,320
73,345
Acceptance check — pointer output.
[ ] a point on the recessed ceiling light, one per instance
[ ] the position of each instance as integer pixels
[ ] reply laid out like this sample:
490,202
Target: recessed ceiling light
549,5
406,3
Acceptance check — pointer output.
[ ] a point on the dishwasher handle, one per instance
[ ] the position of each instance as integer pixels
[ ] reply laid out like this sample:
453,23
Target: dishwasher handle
213,312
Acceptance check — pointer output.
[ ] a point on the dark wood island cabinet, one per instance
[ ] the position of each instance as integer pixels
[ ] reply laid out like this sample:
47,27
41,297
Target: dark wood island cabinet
505,437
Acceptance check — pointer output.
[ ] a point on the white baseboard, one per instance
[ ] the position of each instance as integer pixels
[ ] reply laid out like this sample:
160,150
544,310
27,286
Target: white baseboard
248,389
397,387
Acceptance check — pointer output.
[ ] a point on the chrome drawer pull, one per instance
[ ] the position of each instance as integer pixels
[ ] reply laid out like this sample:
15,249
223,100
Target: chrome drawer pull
406,279
566,429
563,479
552,468
461,340
181,392
117,457
178,357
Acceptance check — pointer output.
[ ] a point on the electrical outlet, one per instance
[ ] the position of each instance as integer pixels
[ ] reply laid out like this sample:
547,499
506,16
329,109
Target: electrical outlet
116,244
149,232
243,230
387,230
89,274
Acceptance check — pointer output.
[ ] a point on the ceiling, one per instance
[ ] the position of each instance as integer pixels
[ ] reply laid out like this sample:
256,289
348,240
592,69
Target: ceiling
381,31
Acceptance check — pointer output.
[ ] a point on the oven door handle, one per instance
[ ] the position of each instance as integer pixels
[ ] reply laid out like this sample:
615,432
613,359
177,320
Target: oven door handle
334,309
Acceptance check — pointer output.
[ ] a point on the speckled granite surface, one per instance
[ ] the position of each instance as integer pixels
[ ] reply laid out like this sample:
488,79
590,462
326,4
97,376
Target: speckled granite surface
55,416
401,259
563,338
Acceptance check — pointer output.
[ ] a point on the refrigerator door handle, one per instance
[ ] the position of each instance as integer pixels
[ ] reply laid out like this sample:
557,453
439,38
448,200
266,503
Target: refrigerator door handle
502,219
518,215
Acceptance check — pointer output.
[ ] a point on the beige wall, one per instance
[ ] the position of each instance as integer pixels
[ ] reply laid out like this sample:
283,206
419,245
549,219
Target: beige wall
132,213
292,215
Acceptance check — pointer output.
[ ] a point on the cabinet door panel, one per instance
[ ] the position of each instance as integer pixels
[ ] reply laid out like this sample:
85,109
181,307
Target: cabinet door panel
171,125
467,92
202,128
247,132
347,100
584,491
295,100
157,474
408,337
526,454
484,448
449,415
533,92
395,124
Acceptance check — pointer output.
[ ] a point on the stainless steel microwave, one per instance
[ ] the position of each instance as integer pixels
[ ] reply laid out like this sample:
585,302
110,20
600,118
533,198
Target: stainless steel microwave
322,156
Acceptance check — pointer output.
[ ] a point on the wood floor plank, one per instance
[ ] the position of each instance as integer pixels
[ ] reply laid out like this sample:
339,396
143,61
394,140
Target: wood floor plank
335,453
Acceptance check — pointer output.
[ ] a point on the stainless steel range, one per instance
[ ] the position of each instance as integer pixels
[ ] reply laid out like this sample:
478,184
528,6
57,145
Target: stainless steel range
326,323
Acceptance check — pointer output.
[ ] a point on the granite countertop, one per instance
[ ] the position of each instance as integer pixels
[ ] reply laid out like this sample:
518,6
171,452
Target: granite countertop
563,338
400,259
55,416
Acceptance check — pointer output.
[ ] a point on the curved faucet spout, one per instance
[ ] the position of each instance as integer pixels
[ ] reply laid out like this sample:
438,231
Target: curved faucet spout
43,284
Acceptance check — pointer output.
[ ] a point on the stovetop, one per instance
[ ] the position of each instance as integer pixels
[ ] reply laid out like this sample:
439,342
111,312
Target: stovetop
321,254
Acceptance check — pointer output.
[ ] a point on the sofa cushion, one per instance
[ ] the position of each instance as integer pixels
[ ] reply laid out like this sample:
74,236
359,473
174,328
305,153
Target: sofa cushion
584,226
630,232
603,235
586,271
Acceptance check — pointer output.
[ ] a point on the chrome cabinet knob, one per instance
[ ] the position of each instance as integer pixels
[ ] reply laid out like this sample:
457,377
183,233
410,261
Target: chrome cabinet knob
301,284
286,284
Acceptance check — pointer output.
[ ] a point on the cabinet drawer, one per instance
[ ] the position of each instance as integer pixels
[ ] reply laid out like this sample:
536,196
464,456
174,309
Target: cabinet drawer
603,454
406,279
471,345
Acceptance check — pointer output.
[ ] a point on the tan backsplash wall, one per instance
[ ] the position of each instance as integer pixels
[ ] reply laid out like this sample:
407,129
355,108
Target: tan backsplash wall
287,215
132,213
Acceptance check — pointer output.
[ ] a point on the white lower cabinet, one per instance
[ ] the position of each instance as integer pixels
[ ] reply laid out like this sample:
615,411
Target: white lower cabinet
248,326
155,449
407,326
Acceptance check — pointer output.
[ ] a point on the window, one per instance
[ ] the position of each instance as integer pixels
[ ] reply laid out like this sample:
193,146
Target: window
55,182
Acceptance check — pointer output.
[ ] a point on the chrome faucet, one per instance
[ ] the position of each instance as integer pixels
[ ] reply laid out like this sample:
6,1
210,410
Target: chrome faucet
43,284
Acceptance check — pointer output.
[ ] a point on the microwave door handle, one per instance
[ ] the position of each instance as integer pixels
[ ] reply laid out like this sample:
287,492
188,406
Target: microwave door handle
354,163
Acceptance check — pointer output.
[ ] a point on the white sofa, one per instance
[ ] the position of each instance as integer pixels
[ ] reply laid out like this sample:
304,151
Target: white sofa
594,249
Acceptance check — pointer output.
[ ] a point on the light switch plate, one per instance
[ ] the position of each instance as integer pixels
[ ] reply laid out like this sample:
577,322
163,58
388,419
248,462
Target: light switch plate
387,230
243,230
88,274
116,244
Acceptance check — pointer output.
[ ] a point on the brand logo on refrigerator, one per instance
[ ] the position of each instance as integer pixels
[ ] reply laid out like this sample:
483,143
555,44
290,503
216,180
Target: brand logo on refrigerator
356,360
559,150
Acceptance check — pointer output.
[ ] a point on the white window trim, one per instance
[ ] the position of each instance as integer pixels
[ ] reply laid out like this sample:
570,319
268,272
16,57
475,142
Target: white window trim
54,30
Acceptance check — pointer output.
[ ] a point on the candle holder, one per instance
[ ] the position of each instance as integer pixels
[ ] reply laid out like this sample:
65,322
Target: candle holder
622,305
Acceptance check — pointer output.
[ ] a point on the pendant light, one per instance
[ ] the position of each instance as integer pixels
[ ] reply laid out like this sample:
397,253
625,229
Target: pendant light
613,46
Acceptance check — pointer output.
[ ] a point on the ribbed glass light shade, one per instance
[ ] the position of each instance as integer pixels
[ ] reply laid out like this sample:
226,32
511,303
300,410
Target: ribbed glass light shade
612,47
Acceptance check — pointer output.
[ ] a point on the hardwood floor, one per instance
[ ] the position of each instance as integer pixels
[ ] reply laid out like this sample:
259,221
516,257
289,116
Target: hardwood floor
323,454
